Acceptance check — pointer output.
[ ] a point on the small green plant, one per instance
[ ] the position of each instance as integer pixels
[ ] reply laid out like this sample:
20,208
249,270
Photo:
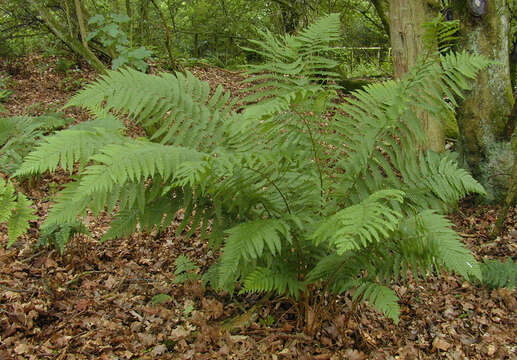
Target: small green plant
15,210
109,32
59,235
185,270
301,203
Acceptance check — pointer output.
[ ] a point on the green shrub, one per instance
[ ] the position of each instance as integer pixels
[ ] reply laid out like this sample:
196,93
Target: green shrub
109,32
304,196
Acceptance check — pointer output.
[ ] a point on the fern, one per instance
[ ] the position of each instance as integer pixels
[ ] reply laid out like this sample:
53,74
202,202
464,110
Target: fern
293,197
59,235
185,270
15,210
19,135
499,274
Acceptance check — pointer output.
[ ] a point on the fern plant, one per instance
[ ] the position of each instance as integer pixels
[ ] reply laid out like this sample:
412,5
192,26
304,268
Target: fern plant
303,196
19,135
15,210
499,274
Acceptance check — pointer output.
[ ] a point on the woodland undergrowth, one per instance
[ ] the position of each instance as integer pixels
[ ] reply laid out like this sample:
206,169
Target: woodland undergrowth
298,202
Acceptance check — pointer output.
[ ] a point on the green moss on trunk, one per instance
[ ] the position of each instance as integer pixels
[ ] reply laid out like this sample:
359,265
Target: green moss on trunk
485,112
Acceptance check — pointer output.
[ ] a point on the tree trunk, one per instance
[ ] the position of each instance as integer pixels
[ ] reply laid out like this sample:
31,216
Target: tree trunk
485,112
80,21
61,33
407,18
382,10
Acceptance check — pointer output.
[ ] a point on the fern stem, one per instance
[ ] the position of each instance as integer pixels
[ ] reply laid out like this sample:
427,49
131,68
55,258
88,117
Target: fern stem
274,185
316,157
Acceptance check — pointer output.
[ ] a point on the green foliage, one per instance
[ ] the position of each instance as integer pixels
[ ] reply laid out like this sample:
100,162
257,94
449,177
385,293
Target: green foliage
160,298
109,32
15,210
19,135
300,192
445,33
499,274
5,93
185,270
59,235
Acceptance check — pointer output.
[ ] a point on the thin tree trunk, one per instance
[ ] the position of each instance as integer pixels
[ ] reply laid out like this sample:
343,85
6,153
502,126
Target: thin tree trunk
173,63
80,21
407,18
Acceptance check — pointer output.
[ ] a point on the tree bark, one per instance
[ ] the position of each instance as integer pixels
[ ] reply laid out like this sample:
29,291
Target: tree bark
485,112
407,18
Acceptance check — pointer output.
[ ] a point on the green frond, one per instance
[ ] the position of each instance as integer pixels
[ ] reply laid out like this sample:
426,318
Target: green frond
247,242
15,209
358,225
174,109
59,235
294,62
133,162
279,281
185,270
381,297
65,149
499,274
449,251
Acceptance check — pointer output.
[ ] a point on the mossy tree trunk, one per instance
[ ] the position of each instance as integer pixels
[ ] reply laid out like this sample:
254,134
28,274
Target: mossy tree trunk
484,115
407,18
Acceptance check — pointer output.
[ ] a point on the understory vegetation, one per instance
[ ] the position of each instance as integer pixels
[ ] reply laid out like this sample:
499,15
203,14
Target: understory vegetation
302,195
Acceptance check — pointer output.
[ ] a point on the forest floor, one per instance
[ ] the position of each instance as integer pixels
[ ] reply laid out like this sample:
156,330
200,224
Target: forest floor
95,301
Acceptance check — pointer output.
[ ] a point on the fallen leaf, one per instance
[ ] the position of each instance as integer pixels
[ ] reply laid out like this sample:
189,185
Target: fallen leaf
21,348
179,333
159,350
491,349
441,344
352,354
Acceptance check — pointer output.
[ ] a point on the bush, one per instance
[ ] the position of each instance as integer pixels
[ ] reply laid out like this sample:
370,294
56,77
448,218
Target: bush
305,197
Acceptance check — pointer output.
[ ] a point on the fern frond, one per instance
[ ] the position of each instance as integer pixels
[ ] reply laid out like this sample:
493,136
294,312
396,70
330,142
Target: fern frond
358,225
133,162
445,243
382,298
294,62
15,209
280,281
499,274
174,109
68,147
